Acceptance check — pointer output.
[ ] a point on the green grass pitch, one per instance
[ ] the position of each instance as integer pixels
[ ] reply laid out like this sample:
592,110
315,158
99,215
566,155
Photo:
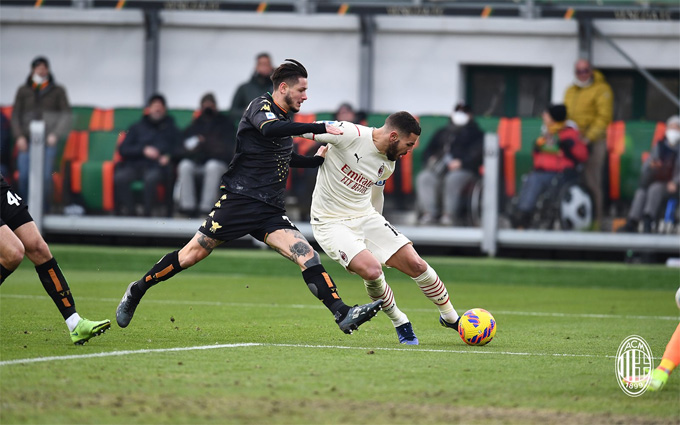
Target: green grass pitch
239,339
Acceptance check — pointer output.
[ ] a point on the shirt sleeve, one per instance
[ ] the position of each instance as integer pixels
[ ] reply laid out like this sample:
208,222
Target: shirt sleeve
350,131
267,122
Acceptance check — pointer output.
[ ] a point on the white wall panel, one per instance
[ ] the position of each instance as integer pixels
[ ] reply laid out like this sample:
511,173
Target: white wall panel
99,55
99,62
200,55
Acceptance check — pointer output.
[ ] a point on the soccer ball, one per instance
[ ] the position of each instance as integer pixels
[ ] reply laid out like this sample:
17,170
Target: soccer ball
477,327
576,208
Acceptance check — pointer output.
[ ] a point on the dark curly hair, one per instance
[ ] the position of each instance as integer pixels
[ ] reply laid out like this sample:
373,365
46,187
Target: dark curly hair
289,72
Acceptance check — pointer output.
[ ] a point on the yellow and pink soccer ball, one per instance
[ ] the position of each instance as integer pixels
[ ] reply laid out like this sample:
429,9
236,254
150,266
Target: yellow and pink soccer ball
477,327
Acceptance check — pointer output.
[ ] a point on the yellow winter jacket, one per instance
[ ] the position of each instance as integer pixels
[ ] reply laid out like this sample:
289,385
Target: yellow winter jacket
591,107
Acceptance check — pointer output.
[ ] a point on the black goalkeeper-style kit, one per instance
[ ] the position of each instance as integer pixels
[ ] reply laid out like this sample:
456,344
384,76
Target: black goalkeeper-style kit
253,188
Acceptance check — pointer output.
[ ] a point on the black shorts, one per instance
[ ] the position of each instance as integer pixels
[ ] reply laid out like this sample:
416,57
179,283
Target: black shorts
234,216
13,209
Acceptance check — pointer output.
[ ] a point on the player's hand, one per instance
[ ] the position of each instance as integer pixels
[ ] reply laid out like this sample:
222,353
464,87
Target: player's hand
151,152
455,164
164,160
52,139
672,187
331,129
22,144
321,151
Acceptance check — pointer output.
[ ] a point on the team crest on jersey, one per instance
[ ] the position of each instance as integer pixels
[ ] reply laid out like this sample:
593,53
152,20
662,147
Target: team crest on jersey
343,256
381,170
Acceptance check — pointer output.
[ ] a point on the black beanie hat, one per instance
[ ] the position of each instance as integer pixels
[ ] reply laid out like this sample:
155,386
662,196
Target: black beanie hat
40,60
557,112
157,97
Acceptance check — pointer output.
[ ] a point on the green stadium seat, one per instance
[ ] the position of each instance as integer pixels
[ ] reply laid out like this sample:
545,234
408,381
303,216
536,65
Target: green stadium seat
123,118
183,117
102,145
429,125
524,159
487,124
325,116
81,117
92,184
638,139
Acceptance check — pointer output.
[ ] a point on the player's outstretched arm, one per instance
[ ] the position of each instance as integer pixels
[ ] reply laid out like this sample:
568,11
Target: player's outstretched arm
277,128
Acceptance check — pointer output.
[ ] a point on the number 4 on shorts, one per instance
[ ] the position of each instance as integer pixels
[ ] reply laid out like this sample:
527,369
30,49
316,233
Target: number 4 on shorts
13,199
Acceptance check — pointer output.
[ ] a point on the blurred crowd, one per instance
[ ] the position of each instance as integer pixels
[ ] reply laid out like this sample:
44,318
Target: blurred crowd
179,169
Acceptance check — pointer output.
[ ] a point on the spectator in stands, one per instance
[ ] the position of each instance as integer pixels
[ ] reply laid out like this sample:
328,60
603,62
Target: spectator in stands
259,84
346,112
146,153
40,98
5,146
659,179
450,163
589,101
209,145
557,151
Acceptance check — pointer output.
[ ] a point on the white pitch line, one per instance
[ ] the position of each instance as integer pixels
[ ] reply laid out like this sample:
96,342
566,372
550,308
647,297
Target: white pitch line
318,306
258,344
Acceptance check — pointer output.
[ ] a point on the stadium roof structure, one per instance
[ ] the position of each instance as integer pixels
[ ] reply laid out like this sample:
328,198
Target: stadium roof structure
651,10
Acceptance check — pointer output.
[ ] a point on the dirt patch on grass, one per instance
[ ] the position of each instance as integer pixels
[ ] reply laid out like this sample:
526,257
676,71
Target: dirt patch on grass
174,408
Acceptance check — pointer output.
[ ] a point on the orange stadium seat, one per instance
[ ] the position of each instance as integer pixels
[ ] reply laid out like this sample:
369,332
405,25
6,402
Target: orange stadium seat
616,146
101,120
510,140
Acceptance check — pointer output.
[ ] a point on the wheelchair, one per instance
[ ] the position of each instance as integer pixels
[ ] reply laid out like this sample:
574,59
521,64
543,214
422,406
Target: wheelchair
566,204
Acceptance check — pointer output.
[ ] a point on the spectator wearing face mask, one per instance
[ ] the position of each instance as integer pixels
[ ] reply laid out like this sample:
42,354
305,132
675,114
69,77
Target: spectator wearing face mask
40,99
589,101
208,147
450,163
659,179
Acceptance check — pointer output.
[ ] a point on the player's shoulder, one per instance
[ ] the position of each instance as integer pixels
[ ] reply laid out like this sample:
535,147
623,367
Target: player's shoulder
350,128
260,103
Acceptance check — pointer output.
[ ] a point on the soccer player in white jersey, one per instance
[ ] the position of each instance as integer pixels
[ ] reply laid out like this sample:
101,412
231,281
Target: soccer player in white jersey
347,221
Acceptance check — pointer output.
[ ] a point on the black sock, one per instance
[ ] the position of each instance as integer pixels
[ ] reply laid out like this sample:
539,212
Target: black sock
4,273
323,287
164,269
55,284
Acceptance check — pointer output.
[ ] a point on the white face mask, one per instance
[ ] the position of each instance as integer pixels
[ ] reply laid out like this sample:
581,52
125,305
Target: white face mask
583,84
673,136
460,118
37,79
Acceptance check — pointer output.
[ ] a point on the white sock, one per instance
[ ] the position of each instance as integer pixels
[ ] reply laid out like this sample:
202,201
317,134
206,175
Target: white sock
72,321
434,289
379,290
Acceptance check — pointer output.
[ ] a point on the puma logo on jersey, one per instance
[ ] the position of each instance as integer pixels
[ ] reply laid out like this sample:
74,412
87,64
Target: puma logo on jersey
357,157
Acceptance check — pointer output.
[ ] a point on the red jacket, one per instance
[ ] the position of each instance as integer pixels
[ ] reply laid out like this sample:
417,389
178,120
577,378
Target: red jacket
560,151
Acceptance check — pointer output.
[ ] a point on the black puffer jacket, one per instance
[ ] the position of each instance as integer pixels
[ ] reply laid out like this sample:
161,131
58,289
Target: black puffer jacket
163,135
464,143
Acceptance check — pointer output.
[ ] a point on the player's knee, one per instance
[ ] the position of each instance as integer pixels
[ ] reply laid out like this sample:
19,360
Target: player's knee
12,256
417,266
373,272
37,251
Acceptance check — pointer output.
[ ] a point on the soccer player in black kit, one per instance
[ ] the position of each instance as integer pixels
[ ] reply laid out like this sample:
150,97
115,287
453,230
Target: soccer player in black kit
19,237
252,200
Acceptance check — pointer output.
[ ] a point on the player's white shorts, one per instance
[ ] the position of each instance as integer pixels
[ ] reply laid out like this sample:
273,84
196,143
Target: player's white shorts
343,240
